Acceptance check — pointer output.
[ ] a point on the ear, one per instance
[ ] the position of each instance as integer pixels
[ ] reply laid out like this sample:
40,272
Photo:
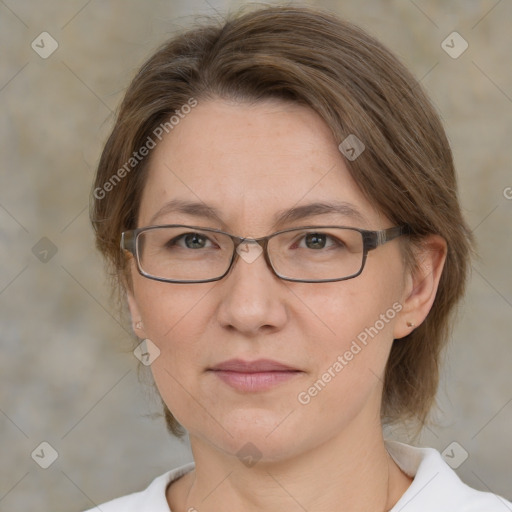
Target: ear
421,284
137,325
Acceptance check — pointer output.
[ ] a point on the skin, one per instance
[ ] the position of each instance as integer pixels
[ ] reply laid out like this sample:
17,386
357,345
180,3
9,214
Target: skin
249,161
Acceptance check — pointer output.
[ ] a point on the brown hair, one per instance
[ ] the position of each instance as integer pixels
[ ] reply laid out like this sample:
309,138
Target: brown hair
358,87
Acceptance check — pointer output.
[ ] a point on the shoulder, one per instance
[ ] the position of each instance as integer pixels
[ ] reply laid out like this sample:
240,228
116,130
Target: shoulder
151,499
436,486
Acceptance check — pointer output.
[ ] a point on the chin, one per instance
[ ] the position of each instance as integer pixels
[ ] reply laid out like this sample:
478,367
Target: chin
258,435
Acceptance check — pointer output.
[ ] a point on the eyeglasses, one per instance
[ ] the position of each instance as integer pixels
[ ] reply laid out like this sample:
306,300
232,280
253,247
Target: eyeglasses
311,254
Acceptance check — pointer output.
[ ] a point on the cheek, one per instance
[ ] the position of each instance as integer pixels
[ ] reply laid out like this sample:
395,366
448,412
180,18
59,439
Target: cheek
173,316
167,308
344,311
350,357
349,333
176,321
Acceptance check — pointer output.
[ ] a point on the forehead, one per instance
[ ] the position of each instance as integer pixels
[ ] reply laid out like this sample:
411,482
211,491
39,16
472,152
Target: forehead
248,164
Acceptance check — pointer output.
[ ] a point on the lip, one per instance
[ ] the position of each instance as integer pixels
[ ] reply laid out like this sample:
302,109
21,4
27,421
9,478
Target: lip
254,376
256,366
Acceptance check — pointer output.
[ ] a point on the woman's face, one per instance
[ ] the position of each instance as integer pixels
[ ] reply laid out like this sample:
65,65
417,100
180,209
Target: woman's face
249,163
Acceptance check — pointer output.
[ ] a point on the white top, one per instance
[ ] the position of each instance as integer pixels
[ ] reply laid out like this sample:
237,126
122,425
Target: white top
435,488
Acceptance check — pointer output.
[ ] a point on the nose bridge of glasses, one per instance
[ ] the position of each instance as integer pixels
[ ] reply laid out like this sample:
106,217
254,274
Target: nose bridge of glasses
247,239
249,249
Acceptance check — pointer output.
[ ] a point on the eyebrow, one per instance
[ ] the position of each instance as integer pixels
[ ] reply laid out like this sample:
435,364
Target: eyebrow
281,217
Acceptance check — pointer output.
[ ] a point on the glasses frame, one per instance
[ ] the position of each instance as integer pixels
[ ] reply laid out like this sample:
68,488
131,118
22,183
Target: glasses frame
371,240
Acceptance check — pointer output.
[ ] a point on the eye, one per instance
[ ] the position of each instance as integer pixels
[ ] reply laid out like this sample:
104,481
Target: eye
191,240
321,241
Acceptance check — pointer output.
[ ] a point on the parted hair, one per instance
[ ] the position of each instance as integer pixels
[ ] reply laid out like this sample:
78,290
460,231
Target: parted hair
357,86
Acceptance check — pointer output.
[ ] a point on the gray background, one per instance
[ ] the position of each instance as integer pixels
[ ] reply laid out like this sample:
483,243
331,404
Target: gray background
67,374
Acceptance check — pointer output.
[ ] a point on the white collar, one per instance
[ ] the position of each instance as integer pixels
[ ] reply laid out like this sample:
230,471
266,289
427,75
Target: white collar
435,488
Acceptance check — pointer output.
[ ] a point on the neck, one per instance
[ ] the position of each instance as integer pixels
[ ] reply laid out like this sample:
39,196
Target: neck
353,470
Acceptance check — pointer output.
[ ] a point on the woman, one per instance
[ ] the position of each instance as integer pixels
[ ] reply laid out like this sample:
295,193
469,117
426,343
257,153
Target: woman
278,205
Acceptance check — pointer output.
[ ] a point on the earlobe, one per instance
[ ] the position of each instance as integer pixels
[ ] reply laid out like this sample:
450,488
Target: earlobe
421,285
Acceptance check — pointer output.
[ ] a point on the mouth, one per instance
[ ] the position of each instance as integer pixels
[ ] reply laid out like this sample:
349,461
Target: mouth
254,376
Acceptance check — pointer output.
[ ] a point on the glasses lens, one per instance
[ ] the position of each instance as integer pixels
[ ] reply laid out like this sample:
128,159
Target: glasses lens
184,253
318,253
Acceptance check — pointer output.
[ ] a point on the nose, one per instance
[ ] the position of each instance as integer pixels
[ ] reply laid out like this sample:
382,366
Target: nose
252,297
